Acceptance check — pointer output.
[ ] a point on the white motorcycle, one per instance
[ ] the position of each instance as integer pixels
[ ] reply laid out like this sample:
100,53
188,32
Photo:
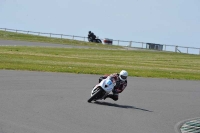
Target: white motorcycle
101,90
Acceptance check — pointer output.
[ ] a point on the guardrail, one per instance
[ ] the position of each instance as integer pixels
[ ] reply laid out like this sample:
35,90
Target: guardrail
131,44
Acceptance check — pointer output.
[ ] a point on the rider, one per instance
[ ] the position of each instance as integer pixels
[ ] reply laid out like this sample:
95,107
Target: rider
91,34
121,83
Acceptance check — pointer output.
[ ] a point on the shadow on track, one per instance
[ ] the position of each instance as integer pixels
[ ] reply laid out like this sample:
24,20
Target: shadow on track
120,106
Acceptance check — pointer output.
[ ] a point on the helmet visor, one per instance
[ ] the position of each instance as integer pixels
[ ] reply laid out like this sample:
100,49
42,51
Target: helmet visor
123,77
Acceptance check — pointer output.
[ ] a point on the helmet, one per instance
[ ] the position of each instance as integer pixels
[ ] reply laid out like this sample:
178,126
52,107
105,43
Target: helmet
89,32
123,75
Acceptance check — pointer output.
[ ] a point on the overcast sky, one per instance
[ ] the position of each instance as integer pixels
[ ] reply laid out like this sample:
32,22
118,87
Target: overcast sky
173,22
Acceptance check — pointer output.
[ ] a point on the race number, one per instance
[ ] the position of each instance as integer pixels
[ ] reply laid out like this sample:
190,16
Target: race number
109,82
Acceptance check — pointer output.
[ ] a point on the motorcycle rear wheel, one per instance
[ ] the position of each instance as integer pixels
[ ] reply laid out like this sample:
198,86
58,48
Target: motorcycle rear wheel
95,96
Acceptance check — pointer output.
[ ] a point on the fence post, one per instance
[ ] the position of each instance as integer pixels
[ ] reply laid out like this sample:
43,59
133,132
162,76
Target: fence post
165,47
130,43
16,31
38,33
84,39
176,47
50,34
187,50
61,36
5,29
27,32
199,51
73,37
142,44
118,42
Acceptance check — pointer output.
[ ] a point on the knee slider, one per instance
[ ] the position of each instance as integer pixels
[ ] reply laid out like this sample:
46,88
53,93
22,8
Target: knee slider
115,98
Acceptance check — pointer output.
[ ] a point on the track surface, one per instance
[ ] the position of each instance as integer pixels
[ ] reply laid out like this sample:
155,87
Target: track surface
42,102
23,43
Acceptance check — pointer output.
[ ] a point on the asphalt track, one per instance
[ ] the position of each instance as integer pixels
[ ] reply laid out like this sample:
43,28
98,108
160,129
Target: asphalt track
43,102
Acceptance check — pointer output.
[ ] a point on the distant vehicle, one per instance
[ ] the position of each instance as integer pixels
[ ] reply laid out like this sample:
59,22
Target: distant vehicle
108,41
96,40
92,38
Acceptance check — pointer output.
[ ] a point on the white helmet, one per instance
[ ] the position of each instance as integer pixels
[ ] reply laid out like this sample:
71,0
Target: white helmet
123,75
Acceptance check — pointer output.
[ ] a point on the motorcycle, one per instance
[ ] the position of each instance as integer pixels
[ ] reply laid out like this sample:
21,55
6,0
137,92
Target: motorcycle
101,90
90,39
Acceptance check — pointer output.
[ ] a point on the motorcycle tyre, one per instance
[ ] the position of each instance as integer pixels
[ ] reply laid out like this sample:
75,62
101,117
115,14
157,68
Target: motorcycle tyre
98,41
97,94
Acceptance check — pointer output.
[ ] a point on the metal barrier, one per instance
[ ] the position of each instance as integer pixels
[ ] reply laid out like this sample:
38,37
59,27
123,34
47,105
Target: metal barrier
132,44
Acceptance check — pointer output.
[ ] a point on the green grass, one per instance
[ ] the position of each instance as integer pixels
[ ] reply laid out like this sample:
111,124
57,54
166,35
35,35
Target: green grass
100,61
141,64
4,35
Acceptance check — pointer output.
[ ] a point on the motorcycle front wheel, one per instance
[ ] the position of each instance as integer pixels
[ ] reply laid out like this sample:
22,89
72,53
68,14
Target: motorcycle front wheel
96,95
98,41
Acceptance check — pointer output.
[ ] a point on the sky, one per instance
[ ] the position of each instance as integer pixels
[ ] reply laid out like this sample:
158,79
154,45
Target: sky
172,22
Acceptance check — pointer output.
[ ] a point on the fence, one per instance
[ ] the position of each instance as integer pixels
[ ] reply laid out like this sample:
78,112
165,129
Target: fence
131,44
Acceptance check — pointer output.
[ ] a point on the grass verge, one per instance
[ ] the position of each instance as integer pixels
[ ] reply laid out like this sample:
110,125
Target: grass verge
90,61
